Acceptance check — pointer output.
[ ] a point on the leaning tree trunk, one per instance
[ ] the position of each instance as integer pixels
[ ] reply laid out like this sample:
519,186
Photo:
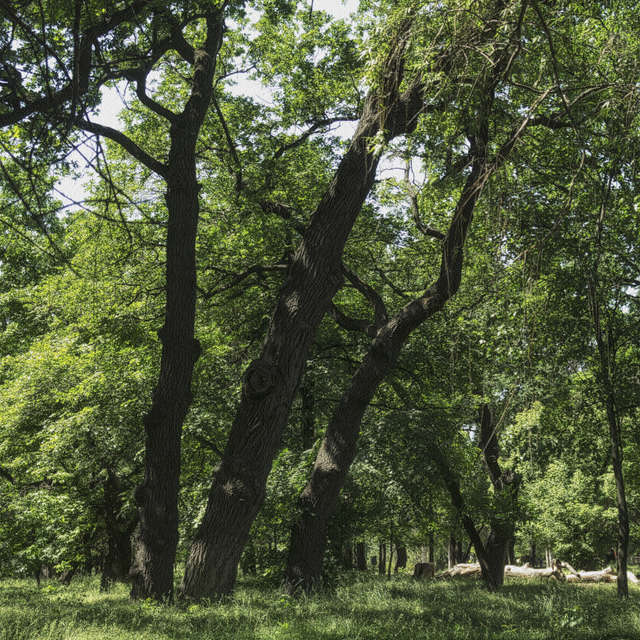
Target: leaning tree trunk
157,497
319,498
270,382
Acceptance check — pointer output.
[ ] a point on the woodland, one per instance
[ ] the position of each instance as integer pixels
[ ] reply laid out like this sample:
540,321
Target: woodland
333,295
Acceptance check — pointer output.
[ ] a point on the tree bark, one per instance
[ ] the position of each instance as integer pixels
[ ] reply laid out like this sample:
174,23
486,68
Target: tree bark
452,559
308,417
270,382
157,497
382,558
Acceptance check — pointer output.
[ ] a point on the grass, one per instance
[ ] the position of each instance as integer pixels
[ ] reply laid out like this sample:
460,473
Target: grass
361,608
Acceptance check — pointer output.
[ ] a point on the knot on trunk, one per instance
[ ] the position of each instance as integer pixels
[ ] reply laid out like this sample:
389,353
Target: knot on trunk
259,379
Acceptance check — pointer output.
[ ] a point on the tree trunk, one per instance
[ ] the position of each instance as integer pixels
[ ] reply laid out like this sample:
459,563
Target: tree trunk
606,343
548,557
319,498
269,385
347,555
401,558
431,545
157,497
496,550
361,556
382,558
117,562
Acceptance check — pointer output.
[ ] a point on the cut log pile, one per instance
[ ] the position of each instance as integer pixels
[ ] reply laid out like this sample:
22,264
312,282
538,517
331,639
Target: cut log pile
556,572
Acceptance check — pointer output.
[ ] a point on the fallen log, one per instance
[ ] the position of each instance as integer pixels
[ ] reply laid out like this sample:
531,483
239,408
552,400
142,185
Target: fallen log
604,575
466,570
463,570
526,571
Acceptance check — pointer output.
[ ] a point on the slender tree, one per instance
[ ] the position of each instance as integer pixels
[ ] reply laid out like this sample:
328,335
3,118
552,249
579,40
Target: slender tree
96,58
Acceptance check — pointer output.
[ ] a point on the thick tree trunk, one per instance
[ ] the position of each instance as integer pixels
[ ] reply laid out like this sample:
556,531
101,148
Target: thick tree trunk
430,549
496,551
157,497
270,382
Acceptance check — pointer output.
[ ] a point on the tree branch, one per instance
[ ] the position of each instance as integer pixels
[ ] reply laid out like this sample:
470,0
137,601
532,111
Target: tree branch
379,308
126,143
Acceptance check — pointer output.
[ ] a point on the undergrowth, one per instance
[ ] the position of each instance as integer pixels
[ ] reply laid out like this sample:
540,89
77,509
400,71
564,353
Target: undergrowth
360,608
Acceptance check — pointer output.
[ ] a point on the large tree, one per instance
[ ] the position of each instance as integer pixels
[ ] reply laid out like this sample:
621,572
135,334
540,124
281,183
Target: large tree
60,93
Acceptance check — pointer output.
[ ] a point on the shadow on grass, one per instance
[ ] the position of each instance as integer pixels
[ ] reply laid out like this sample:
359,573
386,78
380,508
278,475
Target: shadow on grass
398,609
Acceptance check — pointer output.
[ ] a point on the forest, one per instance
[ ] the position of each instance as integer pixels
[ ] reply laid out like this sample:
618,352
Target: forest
298,296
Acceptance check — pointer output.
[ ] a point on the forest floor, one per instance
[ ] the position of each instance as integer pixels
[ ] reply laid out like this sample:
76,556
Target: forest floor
360,608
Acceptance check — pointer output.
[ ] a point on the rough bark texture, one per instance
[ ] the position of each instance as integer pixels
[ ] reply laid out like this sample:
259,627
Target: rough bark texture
157,496
270,382
308,416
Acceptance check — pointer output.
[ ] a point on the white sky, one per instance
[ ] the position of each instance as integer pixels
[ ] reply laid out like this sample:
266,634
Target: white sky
111,104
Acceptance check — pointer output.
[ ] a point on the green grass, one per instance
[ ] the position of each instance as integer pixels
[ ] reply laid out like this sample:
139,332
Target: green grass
359,609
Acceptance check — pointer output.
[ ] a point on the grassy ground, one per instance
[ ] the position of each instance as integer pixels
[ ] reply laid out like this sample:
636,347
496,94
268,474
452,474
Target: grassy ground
359,609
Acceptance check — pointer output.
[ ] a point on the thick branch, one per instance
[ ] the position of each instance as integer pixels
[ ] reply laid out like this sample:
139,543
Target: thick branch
126,143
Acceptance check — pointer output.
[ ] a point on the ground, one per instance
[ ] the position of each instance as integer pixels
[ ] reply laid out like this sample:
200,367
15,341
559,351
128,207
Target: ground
358,608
